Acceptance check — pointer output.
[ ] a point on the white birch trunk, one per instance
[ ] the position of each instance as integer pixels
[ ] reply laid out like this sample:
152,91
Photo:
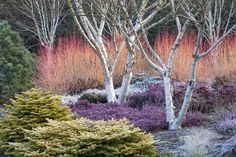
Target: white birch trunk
108,81
127,77
187,97
170,116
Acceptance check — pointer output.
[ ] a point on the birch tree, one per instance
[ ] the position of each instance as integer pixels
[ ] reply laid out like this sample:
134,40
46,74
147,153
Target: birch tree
221,13
194,13
199,19
92,23
45,15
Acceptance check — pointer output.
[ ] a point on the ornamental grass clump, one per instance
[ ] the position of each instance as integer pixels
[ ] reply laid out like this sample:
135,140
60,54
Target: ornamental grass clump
27,111
83,137
198,143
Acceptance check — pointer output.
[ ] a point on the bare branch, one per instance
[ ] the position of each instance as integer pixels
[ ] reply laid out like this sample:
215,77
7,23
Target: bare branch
219,41
46,15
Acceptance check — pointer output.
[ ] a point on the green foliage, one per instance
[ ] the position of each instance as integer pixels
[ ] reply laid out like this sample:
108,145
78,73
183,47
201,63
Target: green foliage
28,110
15,64
94,98
87,138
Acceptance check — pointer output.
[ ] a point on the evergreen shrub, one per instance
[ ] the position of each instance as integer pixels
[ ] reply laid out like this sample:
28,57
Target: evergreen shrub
94,98
27,111
86,138
15,64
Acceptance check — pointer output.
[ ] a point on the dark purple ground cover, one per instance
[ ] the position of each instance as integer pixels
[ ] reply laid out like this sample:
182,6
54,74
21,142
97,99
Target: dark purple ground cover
146,109
205,98
147,118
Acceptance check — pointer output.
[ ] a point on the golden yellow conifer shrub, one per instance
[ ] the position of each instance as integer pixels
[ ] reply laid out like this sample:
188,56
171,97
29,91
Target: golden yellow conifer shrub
86,138
27,111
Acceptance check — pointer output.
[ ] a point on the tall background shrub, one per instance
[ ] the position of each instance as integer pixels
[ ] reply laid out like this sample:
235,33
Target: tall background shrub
74,66
15,63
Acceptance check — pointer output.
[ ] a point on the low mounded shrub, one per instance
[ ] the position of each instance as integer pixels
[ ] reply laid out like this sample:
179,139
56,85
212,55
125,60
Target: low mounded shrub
227,124
204,98
87,138
193,119
219,81
147,118
26,111
154,95
226,94
94,98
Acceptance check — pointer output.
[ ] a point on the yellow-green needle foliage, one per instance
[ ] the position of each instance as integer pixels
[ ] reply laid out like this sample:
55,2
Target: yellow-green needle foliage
85,138
27,111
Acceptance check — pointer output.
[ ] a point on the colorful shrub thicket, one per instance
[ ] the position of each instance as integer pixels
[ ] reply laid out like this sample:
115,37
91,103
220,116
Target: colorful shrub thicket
87,138
147,118
26,111
15,64
227,123
220,64
70,67
73,65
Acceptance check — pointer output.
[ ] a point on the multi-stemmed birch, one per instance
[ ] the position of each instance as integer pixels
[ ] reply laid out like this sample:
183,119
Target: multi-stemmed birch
94,18
186,13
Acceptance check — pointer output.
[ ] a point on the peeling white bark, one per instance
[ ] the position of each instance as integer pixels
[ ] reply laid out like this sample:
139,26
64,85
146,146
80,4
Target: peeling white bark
127,77
108,82
188,96
170,116
92,31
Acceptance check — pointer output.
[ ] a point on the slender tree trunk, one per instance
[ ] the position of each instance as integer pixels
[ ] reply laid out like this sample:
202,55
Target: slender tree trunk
108,81
127,77
170,116
187,97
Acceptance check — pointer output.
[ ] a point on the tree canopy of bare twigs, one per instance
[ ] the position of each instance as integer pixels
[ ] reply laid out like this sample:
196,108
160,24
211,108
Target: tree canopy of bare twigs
45,17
